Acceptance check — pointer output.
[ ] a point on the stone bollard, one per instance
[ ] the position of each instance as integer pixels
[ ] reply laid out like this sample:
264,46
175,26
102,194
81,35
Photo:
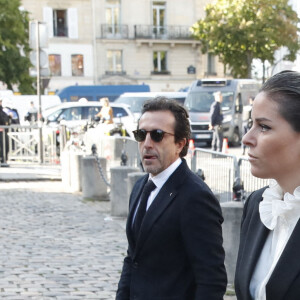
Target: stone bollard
65,169
93,185
232,213
71,170
118,192
75,171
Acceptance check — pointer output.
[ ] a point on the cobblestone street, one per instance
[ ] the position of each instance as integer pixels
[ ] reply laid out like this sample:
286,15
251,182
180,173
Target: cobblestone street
55,246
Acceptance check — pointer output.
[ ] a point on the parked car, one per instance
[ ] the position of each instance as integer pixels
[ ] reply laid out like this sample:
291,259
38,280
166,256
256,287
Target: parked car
136,100
74,114
77,115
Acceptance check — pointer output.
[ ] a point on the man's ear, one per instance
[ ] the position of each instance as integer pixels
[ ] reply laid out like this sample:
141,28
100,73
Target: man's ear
181,144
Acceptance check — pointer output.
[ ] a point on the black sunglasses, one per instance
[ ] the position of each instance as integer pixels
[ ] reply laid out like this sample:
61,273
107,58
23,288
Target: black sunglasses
156,135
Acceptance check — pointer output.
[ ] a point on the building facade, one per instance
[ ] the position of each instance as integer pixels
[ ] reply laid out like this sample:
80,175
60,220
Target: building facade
123,42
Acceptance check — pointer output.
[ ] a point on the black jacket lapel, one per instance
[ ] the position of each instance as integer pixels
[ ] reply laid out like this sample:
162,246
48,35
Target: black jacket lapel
287,268
253,237
136,193
161,202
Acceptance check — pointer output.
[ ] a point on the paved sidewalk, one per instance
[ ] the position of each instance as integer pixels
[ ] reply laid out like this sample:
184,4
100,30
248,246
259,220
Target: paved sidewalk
54,245
23,172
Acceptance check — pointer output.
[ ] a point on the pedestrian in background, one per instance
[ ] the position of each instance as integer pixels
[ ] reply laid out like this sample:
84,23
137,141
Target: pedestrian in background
8,108
106,112
32,114
174,230
216,119
268,265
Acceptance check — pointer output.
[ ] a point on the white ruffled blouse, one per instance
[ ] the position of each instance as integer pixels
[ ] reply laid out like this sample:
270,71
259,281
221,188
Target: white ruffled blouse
280,213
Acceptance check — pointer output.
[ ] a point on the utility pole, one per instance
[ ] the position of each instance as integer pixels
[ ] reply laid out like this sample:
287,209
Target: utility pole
38,90
39,59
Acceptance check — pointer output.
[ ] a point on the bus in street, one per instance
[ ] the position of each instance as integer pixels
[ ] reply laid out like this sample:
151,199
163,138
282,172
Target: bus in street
96,92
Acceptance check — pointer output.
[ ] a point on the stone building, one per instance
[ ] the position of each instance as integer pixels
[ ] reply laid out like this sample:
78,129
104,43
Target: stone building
123,42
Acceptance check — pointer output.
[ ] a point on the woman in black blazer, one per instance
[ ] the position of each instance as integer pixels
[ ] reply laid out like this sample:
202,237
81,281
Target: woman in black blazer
268,264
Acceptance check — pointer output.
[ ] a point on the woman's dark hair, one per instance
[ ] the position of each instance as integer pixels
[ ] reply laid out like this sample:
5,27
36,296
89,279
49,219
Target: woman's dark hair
182,128
284,89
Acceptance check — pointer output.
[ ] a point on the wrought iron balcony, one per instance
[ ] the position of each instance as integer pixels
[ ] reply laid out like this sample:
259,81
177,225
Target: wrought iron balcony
109,31
164,72
111,73
60,31
162,32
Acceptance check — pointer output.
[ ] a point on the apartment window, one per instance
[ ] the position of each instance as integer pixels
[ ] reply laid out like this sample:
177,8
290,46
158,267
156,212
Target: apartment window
77,65
211,64
160,61
60,23
112,16
158,12
55,64
114,61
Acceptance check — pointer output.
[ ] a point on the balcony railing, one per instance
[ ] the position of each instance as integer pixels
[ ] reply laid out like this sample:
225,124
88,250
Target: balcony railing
111,73
162,32
163,72
109,31
60,31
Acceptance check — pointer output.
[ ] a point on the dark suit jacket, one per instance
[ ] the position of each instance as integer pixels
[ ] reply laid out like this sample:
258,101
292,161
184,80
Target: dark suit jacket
284,283
178,254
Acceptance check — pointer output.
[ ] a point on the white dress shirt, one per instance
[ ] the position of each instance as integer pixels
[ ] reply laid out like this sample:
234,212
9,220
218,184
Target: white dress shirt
280,213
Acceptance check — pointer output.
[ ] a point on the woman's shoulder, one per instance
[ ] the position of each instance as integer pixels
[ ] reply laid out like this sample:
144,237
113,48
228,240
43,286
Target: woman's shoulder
255,197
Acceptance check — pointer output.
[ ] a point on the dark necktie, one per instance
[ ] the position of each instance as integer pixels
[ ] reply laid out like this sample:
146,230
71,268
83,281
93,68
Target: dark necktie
148,188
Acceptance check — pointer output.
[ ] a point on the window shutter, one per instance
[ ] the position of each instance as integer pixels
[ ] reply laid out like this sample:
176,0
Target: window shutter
48,19
73,23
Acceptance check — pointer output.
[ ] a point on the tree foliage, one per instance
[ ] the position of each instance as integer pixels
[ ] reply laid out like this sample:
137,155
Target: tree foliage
239,31
14,46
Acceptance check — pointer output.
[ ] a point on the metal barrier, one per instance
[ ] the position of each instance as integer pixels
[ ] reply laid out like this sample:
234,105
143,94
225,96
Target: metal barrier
219,171
225,175
250,182
23,144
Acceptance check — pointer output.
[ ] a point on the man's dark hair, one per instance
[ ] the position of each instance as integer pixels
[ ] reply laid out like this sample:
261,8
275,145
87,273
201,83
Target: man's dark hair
284,89
182,128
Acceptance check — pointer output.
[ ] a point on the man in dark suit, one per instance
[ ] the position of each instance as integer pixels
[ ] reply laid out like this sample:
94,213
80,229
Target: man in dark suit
175,251
216,119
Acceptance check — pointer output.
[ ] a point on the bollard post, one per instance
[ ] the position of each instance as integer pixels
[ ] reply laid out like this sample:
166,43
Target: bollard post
65,169
75,171
232,213
118,193
93,185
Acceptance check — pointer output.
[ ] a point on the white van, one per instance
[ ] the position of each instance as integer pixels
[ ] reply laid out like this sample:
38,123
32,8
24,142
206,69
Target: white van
235,107
136,100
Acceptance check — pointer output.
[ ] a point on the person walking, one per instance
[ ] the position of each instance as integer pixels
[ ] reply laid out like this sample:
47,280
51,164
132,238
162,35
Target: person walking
216,119
174,224
268,265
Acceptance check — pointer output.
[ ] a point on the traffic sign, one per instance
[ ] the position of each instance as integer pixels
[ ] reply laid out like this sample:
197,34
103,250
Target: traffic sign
43,58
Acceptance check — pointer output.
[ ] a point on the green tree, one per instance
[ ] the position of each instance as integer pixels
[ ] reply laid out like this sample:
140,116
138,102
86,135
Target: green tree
239,31
14,46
